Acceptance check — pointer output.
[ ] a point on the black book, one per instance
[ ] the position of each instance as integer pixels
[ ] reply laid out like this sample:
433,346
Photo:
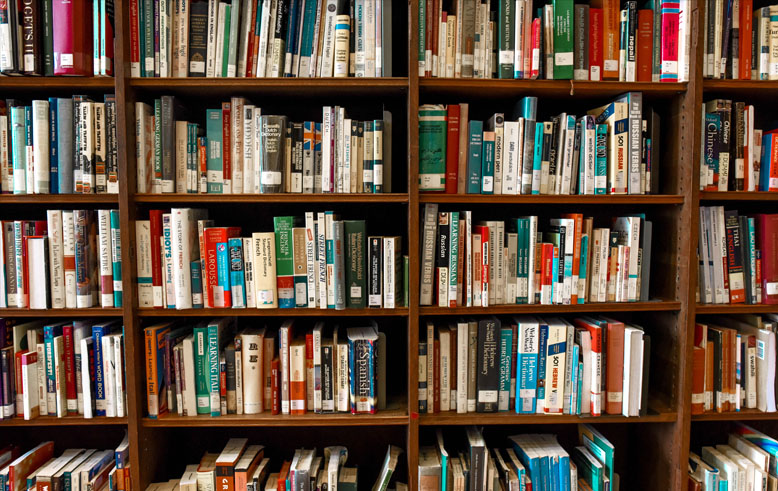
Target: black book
745,260
735,268
279,37
272,159
651,134
355,263
739,137
375,266
327,380
297,157
229,358
47,29
487,383
478,459
632,24
198,37
580,125
442,258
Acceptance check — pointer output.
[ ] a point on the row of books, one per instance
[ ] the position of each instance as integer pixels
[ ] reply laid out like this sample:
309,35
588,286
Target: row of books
250,38
70,260
59,146
734,364
77,469
738,40
736,258
744,462
58,37
530,365
209,369
60,369
244,467
735,156
611,150
321,261
481,263
598,41
242,151
530,461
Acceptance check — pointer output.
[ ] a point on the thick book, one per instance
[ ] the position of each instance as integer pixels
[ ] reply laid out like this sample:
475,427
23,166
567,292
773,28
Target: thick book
488,366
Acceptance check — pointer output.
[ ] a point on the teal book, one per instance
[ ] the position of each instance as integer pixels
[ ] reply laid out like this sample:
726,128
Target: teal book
522,259
487,163
227,41
537,158
506,343
432,147
563,39
116,258
506,26
583,268
474,151
600,159
214,163
599,446
19,150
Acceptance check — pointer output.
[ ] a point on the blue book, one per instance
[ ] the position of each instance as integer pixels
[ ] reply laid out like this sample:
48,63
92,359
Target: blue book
306,44
98,331
541,373
767,158
584,265
579,388
563,464
530,462
574,380
600,159
474,159
555,283
19,150
223,272
537,158
527,361
237,275
291,36
197,285
49,333
53,144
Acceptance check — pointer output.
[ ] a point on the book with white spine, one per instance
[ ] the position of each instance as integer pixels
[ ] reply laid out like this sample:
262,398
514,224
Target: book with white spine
265,270
40,146
56,259
310,256
59,378
105,264
248,150
188,394
86,380
252,364
109,375
248,271
118,361
328,44
143,255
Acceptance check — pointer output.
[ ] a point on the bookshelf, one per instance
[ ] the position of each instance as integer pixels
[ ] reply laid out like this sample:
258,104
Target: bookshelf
654,446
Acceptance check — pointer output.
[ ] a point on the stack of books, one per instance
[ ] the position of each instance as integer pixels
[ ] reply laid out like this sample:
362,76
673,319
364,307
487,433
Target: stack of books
70,260
56,38
242,151
736,255
734,364
738,41
209,369
75,468
531,365
611,150
278,38
530,461
481,263
563,40
59,146
245,467
746,461
185,261
62,369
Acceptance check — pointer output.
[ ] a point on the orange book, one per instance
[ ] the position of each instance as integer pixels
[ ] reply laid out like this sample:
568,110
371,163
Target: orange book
698,380
297,369
577,230
225,463
247,464
615,366
746,29
20,468
645,43
282,474
610,38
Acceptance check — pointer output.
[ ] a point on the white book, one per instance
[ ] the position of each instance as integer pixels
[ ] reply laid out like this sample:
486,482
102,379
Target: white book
257,152
105,263
265,270
321,261
444,377
29,388
359,39
38,268
284,342
6,177
213,22
248,150
248,267
746,468
182,219
328,45
109,375
265,38
553,402
252,364
236,124
181,38
69,251
310,258
462,366
165,294
143,149
40,348
40,146
86,381
347,156
56,260
81,331
221,37
326,149
239,380
118,361
629,360
59,376
188,394
143,258
165,32
343,398
391,263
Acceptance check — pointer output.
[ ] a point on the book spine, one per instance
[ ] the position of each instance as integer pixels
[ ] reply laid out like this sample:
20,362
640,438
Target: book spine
236,272
105,262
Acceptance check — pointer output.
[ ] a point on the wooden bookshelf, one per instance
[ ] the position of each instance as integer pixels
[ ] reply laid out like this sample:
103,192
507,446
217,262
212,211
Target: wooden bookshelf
655,445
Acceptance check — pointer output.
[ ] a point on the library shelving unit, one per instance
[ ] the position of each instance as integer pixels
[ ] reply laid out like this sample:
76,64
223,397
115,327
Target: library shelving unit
651,450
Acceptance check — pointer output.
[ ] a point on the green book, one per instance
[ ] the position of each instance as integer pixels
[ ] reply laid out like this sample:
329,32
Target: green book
474,147
356,277
422,39
599,446
282,226
522,257
231,54
226,48
48,37
487,163
432,147
563,39
201,370
214,164
506,26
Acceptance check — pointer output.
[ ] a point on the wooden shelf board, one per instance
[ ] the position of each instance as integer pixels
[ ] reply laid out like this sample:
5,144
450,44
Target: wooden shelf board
511,418
47,199
66,421
273,198
738,196
745,414
735,309
653,306
606,199
57,83
283,86
54,313
297,312
767,87
389,417
498,88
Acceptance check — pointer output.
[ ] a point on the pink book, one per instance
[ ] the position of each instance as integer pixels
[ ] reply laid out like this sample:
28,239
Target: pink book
72,38
670,13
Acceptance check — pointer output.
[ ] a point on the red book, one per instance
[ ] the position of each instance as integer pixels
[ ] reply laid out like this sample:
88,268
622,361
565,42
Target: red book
283,474
226,146
134,39
428,39
615,366
249,46
595,44
70,369
27,231
645,43
436,378
767,233
484,232
546,274
275,385
535,60
698,380
157,283
452,148
27,463
597,391
72,37
669,69
746,30
212,236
